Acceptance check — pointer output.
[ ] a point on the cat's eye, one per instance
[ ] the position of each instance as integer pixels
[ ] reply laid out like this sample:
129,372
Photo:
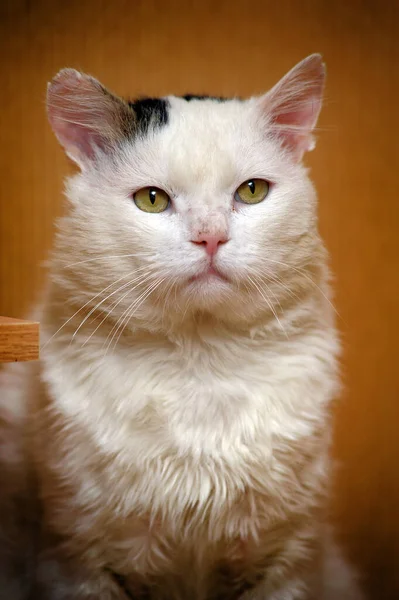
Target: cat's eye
252,191
151,200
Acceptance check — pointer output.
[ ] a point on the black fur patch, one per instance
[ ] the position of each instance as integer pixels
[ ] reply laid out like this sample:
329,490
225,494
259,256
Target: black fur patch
150,112
190,97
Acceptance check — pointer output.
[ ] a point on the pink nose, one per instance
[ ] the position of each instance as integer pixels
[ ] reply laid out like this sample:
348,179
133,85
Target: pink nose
210,242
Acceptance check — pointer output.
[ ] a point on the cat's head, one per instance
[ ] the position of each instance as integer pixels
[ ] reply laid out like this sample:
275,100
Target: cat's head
187,205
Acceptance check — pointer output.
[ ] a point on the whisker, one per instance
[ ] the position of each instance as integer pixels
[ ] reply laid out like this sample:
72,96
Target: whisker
102,302
261,281
134,306
168,291
304,274
268,303
86,304
105,256
124,313
152,288
285,287
186,306
120,318
102,257
278,281
114,305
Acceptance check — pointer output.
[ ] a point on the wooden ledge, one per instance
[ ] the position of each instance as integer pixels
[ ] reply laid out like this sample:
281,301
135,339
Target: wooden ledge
19,340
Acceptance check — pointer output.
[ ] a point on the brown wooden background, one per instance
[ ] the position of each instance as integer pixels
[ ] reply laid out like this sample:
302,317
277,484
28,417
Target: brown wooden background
242,47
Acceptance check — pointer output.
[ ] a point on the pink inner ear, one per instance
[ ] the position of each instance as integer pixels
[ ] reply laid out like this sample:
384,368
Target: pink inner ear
304,116
78,141
296,125
81,113
293,105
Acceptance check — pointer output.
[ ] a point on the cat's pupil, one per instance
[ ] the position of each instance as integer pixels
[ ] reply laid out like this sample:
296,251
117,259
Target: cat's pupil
251,185
153,196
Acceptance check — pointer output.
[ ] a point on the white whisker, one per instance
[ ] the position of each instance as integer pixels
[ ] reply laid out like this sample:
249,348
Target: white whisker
143,298
268,303
275,279
106,257
261,280
87,303
302,272
168,292
115,304
120,318
102,302
133,307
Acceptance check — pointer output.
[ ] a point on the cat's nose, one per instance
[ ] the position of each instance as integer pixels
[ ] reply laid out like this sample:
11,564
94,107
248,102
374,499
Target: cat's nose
210,242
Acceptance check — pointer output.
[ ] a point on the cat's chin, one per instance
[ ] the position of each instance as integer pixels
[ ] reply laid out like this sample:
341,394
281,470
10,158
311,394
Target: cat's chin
208,288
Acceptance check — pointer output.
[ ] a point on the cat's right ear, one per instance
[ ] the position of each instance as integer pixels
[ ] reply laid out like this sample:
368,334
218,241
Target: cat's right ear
85,117
292,106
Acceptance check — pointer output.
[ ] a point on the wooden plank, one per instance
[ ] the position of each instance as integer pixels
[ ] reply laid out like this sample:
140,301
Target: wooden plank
19,340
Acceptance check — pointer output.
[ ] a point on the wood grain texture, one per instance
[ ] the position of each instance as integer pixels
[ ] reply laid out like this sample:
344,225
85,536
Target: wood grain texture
19,340
242,47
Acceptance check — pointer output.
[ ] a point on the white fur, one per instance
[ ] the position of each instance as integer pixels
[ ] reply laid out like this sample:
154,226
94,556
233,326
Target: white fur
209,389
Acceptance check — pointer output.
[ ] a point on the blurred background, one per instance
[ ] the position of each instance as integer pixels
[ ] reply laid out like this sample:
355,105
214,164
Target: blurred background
242,47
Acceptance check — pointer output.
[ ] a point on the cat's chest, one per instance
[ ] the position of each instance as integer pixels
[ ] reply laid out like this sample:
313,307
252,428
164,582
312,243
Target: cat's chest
185,455
175,395
163,403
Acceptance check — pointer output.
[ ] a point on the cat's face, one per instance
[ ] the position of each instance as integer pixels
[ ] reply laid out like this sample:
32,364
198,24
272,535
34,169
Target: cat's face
187,206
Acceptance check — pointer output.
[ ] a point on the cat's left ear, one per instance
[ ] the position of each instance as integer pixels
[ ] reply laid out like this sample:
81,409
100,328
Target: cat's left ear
85,116
293,105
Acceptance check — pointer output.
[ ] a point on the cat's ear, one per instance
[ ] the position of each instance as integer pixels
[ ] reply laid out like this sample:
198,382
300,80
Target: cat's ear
293,105
85,117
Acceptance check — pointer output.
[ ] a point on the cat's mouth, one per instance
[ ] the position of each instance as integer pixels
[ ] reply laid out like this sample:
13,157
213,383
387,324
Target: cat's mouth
209,274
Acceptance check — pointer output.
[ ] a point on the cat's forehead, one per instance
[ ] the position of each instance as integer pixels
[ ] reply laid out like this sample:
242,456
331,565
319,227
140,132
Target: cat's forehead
202,140
208,115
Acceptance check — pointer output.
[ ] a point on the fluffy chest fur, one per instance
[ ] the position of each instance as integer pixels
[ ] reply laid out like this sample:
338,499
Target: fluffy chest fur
210,445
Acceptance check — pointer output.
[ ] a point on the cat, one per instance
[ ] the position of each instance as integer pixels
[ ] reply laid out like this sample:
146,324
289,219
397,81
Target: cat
174,437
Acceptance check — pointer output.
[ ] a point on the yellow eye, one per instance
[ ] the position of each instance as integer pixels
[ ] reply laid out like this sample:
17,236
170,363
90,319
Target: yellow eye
151,200
252,191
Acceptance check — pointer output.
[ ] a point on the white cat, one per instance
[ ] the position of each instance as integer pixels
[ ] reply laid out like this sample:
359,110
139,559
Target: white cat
179,419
